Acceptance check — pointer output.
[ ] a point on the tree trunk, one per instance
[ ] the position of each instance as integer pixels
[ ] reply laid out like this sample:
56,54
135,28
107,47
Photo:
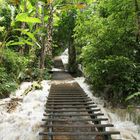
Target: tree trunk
47,41
72,66
137,9
37,16
43,54
23,26
49,31
43,50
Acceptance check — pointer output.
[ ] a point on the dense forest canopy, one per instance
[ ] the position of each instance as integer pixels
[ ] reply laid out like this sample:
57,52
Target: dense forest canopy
102,35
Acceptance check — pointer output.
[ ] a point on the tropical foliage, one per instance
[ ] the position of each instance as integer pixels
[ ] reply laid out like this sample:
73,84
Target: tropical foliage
108,33
102,35
20,43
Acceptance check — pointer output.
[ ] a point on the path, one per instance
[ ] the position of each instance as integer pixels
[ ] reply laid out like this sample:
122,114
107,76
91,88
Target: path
70,114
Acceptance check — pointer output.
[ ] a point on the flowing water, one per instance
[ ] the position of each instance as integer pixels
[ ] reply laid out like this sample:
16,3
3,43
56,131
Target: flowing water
21,116
124,120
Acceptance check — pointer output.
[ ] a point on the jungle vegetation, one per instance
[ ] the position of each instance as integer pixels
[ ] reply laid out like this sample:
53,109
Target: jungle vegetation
102,35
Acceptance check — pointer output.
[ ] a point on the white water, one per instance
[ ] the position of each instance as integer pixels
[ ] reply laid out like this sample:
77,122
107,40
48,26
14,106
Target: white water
119,118
24,122
64,57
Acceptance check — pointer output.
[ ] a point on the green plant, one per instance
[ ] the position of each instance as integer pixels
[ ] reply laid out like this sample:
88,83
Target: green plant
133,96
7,83
13,62
113,77
108,47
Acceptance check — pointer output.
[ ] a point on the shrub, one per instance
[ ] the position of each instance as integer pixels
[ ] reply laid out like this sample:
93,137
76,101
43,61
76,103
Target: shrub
105,36
13,62
113,77
7,84
10,67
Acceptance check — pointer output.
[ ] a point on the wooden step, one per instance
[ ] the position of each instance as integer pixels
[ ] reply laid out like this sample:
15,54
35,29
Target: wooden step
69,100
79,126
72,115
66,91
67,94
70,106
72,110
55,97
71,103
74,120
80,133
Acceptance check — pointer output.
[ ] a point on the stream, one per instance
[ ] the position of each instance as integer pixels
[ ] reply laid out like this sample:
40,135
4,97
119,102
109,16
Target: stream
127,121
124,120
21,116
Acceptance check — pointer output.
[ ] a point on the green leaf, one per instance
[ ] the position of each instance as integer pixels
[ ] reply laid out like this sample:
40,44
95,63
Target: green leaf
1,18
23,17
132,96
2,29
11,43
46,18
28,42
19,43
30,35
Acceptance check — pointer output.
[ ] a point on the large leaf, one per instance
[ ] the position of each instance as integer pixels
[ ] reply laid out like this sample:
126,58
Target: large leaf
19,43
23,17
2,29
12,43
31,35
132,96
1,18
28,43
